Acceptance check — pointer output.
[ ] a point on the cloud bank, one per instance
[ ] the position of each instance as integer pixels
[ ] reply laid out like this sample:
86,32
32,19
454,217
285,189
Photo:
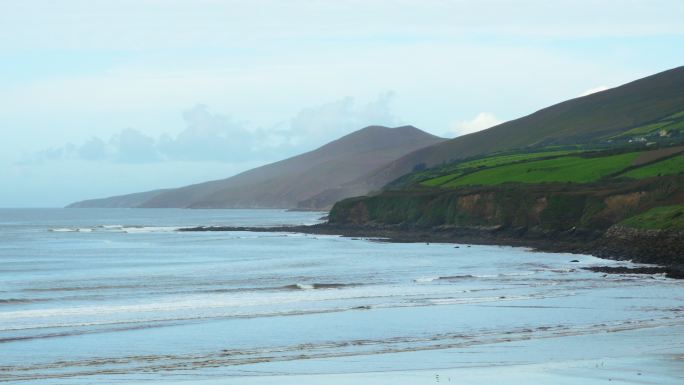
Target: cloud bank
214,137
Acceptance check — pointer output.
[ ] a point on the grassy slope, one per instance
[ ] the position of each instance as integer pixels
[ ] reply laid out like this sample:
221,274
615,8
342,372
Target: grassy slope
453,171
574,169
669,166
509,180
556,166
578,121
664,217
589,191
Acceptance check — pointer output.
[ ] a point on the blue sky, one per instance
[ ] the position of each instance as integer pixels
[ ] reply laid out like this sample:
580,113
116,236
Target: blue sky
99,98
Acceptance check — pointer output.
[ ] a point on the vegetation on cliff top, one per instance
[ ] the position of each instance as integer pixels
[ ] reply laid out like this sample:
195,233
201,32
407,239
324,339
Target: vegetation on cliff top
598,170
575,169
554,190
674,165
571,166
451,172
664,217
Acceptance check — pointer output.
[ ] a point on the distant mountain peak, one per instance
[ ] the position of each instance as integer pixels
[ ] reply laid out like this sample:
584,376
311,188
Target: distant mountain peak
285,183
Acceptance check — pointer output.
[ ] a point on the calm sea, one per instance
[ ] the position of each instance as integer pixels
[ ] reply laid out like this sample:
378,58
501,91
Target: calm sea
104,296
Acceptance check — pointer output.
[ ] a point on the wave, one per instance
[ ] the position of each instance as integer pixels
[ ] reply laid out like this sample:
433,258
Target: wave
116,229
150,229
78,332
306,351
82,288
183,308
160,321
70,230
426,279
14,301
453,277
471,276
292,287
183,289
201,308
317,286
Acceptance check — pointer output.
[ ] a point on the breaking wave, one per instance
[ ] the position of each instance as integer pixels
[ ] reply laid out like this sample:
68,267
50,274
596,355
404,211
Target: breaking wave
115,229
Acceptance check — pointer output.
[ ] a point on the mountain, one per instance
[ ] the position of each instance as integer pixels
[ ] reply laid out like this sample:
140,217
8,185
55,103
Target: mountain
601,174
599,116
285,183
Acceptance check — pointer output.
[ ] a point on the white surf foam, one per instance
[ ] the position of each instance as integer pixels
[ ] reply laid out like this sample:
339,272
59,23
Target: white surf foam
116,229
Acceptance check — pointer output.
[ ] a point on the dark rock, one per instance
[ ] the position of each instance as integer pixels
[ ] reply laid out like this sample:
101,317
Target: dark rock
659,247
628,270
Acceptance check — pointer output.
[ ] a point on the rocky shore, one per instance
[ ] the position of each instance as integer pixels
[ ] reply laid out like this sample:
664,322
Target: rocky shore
660,247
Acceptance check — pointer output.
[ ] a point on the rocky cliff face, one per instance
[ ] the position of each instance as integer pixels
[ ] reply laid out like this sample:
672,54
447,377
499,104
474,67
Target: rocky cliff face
550,207
586,216
648,246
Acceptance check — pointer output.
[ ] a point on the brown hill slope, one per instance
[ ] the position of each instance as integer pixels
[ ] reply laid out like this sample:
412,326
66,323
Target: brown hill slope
576,121
285,183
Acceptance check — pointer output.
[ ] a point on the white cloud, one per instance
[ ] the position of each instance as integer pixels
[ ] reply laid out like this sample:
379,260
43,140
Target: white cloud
480,122
329,121
209,137
93,149
593,90
212,137
133,146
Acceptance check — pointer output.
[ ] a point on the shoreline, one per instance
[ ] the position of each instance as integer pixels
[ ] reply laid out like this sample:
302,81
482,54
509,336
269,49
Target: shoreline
589,244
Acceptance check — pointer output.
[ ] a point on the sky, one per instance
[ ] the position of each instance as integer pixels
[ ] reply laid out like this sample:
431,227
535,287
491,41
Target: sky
99,98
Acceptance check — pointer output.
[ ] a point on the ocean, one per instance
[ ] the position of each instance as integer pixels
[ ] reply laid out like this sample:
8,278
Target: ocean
118,296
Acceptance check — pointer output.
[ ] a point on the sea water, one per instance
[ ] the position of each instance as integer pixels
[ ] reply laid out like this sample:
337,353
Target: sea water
103,296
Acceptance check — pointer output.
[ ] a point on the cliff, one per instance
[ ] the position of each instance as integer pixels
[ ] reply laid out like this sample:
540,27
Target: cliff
609,219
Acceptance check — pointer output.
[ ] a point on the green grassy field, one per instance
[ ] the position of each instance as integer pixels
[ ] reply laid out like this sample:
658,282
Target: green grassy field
664,217
555,166
664,167
575,169
441,179
459,169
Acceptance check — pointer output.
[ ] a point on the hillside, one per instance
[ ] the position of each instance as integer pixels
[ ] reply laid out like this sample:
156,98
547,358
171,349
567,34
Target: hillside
633,111
607,186
624,204
602,174
119,201
285,183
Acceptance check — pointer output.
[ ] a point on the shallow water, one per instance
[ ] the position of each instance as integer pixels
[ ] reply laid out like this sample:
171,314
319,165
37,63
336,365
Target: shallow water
96,296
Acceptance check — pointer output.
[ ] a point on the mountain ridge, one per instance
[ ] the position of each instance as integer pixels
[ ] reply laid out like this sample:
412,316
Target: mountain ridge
284,183
577,120
613,187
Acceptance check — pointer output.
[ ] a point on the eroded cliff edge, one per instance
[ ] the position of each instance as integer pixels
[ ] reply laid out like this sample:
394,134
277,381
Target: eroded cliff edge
627,220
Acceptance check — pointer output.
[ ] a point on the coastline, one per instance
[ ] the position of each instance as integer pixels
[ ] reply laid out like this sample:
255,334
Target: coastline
656,248
283,307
